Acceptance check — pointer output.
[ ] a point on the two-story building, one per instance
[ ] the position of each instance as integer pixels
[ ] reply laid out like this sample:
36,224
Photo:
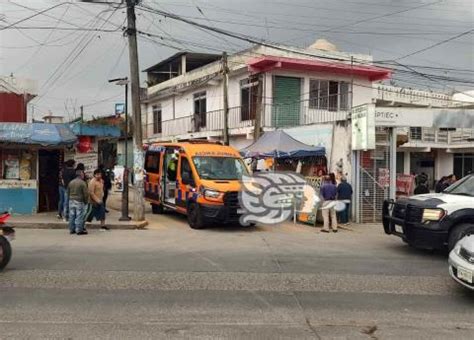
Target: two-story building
308,92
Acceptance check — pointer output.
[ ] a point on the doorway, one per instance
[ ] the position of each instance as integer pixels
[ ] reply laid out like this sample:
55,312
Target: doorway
48,179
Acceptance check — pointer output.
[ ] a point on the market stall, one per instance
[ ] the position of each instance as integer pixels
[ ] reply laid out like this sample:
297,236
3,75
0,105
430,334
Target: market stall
278,151
30,158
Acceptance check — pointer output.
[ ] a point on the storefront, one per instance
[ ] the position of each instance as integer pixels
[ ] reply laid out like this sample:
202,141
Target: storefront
30,159
97,144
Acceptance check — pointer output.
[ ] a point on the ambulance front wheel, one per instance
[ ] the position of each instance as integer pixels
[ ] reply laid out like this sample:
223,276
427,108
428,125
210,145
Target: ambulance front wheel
157,209
194,216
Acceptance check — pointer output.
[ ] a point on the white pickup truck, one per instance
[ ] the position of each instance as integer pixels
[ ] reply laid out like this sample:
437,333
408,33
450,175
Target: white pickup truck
433,221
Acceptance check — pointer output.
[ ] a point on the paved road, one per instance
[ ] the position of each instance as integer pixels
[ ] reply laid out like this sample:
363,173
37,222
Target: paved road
282,282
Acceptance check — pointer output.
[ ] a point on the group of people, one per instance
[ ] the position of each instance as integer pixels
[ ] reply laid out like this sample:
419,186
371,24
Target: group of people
332,194
422,186
80,199
445,182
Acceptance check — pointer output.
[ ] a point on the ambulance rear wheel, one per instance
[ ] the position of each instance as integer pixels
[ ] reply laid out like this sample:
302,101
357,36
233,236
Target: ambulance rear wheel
194,216
157,209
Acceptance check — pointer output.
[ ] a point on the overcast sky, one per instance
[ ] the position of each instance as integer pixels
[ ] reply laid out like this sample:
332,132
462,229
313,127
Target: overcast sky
72,66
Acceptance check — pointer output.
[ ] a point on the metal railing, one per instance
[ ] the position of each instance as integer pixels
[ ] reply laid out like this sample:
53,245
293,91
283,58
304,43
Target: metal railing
299,113
273,116
438,136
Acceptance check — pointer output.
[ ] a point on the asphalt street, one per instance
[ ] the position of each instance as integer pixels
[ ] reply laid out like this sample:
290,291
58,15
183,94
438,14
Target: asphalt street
263,282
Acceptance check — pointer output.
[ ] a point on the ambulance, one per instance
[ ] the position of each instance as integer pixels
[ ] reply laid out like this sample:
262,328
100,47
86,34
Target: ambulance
199,179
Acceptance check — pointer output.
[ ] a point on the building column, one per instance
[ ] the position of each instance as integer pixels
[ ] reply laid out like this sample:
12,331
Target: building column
406,162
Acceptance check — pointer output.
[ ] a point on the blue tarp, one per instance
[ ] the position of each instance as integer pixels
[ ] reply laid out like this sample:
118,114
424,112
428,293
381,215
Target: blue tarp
81,129
36,134
278,144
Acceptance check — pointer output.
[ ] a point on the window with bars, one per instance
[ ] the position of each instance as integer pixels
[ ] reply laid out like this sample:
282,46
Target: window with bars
157,128
328,95
248,98
200,109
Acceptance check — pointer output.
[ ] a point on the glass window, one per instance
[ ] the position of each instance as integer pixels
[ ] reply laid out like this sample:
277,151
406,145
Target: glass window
152,162
200,109
185,167
220,168
328,95
157,119
464,187
248,98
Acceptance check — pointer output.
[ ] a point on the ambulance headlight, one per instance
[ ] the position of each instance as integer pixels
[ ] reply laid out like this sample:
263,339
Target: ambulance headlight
212,194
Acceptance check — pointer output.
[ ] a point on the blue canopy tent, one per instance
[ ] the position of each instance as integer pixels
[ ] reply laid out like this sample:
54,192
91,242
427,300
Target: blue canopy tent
278,144
36,134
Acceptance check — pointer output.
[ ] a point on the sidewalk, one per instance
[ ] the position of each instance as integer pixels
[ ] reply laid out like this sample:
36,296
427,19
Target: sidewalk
49,220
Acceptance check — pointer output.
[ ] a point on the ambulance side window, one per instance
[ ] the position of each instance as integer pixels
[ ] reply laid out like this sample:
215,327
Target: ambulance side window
152,162
186,173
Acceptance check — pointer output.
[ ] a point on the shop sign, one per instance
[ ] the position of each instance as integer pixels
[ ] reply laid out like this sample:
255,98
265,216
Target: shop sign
363,127
405,184
384,177
424,117
16,184
90,161
393,117
84,144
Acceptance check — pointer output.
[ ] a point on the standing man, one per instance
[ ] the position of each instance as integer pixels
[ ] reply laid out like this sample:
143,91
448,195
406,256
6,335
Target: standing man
344,194
78,195
328,192
96,198
107,184
68,174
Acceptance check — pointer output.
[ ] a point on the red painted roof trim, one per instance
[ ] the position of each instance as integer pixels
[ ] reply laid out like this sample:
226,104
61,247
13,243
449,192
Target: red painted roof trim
268,63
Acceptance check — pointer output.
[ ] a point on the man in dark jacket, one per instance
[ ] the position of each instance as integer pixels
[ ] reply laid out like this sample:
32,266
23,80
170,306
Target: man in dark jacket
328,192
106,177
344,194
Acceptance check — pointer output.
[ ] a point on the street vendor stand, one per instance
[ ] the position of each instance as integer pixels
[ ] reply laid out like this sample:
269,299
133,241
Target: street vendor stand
30,158
287,154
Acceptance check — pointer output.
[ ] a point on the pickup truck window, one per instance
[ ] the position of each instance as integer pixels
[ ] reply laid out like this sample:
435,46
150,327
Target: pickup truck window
463,187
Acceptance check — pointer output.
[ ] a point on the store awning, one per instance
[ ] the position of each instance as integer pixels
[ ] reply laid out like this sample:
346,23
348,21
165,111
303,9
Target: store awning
268,63
278,144
81,129
36,134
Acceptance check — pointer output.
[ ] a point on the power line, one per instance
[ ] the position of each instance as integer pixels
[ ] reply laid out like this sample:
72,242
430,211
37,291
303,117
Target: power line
34,15
437,44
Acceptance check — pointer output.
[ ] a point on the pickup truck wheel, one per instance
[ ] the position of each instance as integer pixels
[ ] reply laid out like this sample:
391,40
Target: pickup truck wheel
5,252
157,209
194,216
458,232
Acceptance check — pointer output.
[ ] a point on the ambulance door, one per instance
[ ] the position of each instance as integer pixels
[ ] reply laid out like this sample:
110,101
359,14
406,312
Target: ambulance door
186,182
153,165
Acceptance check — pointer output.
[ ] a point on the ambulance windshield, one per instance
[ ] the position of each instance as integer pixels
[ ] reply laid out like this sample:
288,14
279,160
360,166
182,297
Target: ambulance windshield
220,168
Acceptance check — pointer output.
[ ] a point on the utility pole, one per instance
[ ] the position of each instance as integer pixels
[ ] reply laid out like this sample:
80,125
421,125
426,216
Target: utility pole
225,72
82,114
139,203
259,109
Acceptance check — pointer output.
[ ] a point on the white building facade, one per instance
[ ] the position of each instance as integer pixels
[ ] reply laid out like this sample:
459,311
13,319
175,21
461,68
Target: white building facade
309,93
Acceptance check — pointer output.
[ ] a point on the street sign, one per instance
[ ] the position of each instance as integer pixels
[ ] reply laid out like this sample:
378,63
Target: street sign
363,127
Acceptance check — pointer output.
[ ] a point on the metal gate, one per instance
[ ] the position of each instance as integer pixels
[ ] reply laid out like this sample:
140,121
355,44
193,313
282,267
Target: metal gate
374,178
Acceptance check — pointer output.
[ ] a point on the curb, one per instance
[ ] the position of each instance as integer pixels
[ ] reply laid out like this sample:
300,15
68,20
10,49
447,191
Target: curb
63,225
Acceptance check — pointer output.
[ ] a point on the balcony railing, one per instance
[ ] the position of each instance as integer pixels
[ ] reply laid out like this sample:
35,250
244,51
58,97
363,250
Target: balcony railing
443,137
273,116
